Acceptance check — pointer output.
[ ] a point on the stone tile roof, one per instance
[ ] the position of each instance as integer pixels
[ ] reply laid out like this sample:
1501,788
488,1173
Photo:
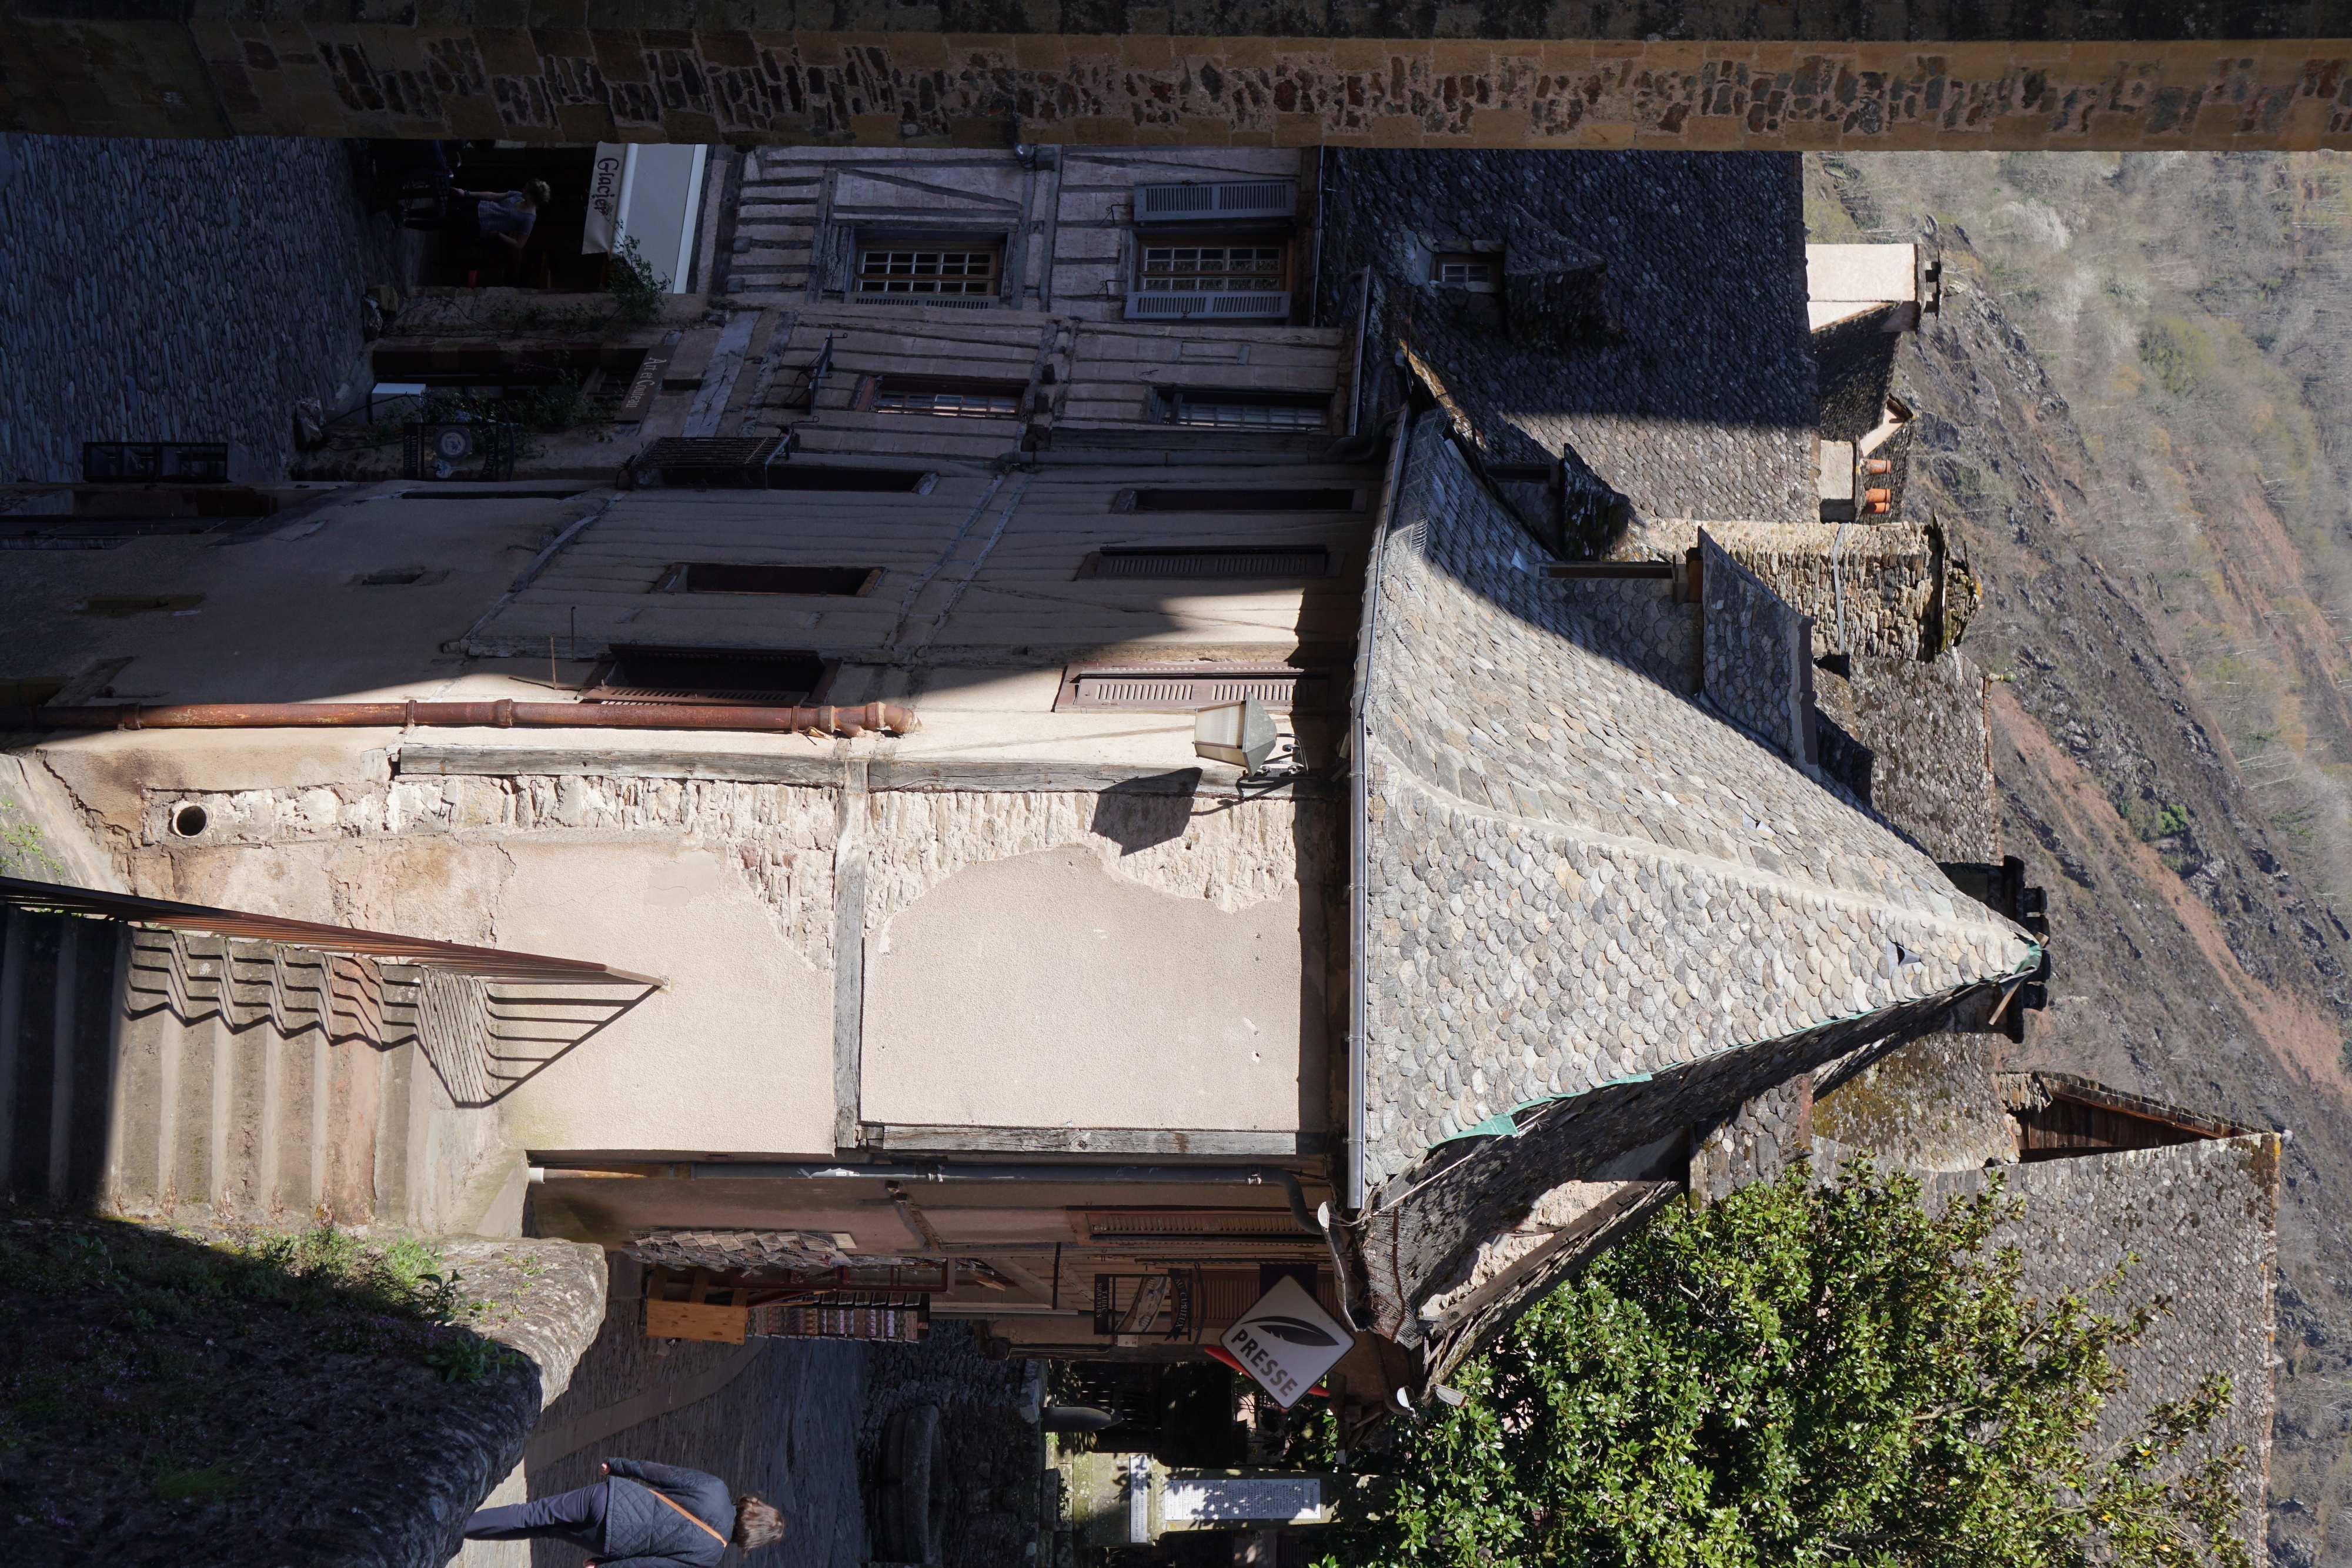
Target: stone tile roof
1576,874
1703,407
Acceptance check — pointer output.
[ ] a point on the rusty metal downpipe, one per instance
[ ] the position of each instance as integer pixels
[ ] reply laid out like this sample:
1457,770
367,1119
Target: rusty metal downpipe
504,714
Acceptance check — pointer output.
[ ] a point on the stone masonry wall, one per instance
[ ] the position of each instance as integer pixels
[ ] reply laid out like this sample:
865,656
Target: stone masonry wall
1756,1142
784,835
1757,655
1913,740
773,72
1884,576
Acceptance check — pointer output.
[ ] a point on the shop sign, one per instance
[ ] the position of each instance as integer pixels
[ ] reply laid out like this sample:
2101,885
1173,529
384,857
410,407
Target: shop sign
603,198
1287,1342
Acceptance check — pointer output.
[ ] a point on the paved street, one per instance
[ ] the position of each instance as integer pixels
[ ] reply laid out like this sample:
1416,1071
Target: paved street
177,290
784,1425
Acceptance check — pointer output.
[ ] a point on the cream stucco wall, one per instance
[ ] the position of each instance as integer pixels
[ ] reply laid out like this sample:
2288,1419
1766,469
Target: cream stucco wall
1046,990
736,1055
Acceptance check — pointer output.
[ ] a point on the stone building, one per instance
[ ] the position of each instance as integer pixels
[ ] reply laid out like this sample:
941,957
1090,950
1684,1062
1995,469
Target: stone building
965,985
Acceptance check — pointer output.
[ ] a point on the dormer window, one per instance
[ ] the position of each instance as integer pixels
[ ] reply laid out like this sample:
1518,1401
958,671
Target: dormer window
1481,272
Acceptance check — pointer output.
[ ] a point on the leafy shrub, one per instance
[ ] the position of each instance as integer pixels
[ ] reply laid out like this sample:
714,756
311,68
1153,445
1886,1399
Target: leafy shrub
2179,351
1803,1374
637,291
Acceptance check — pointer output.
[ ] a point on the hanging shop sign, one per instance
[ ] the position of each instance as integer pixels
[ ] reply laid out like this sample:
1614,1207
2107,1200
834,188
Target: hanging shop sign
1287,1342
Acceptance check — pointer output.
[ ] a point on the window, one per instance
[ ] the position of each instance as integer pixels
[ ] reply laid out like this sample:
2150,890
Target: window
1181,688
1466,269
718,577
756,677
1242,561
927,272
761,463
946,395
1234,501
1226,409
1194,268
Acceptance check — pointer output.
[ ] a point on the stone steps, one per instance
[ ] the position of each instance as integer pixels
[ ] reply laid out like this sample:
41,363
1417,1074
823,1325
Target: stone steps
202,1079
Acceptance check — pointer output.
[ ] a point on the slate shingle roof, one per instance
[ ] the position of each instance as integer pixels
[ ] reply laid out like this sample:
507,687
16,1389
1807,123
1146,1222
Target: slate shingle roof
1575,874
1704,408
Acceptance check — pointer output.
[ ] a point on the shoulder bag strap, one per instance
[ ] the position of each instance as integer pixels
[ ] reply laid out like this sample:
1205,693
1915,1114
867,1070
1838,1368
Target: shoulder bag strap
697,1523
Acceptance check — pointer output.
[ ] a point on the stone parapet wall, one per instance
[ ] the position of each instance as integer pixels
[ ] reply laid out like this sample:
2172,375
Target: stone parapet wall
775,74
1757,655
1912,739
1883,575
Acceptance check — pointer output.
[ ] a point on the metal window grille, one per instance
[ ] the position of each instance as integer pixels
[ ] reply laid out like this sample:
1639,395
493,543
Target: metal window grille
1222,410
952,399
1202,268
1227,199
926,272
1265,563
1181,688
755,677
725,576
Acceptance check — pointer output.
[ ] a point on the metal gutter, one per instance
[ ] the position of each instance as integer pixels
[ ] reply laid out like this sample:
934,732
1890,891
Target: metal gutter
1351,1180
1213,1175
502,713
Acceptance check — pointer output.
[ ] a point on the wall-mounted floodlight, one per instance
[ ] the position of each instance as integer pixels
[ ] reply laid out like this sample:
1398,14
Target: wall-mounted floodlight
1239,733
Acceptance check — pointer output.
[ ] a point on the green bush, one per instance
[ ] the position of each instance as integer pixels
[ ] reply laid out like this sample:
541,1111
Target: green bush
1802,1375
637,291
2179,351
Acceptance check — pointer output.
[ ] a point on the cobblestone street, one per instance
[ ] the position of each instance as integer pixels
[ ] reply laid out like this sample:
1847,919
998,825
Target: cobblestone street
784,1425
178,290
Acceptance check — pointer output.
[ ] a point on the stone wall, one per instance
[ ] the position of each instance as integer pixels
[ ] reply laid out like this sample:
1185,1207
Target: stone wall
1883,576
1756,1142
1757,655
1912,740
1931,1106
955,76
784,835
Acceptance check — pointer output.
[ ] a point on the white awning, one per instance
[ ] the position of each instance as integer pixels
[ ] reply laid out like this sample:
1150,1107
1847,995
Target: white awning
649,193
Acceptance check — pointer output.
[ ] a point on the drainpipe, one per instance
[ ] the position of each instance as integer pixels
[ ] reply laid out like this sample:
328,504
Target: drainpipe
888,717
1151,1175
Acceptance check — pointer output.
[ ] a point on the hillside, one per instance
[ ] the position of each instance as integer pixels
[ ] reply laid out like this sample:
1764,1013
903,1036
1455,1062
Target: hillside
2132,406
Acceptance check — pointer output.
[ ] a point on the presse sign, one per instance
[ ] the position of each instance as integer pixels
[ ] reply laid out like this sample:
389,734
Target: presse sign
1287,1342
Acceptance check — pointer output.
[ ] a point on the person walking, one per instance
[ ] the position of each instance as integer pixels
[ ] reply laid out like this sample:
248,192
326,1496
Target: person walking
643,1516
506,216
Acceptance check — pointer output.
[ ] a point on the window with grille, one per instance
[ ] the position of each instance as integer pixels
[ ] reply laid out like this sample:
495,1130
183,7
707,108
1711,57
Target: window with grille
934,272
756,677
727,577
1224,408
1181,688
1466,269
1271,562
1205,268
956,398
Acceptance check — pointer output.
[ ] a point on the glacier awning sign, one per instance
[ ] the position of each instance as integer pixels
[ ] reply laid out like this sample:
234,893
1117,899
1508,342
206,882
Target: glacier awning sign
1287,1342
